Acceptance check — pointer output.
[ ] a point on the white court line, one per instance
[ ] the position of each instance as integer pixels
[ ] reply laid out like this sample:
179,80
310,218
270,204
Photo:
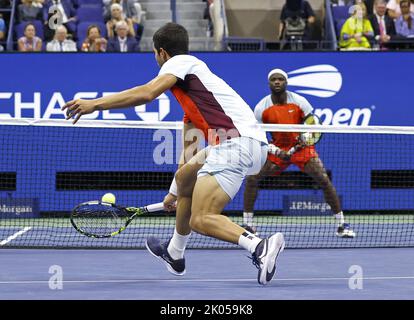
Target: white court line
201,280
14,236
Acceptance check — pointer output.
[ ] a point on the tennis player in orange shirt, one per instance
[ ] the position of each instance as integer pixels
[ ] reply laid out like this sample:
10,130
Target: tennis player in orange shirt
285,107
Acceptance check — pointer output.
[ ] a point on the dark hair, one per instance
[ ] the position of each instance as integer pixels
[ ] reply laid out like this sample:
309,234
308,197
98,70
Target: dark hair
173,38
405,1
28,25
91,27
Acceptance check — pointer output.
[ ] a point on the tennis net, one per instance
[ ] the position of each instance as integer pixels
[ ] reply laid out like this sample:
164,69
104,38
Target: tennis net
50,166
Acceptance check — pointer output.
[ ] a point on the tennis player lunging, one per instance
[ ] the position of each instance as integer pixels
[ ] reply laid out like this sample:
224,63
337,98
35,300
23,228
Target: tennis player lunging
285,107
211,178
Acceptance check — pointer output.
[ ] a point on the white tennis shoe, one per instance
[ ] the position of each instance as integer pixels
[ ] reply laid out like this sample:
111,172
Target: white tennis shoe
265,257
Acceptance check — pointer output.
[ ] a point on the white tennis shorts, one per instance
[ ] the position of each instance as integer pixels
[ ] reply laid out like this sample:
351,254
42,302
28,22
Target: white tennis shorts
232,160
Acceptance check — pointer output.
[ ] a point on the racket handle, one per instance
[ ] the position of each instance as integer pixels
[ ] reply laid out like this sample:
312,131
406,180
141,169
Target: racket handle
272,149
155,207
293,150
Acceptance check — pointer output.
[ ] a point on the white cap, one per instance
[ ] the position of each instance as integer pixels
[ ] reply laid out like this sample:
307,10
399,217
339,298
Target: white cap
280,71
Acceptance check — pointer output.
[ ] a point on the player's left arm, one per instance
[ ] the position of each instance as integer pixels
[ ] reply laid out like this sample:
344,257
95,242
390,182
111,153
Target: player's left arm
127,98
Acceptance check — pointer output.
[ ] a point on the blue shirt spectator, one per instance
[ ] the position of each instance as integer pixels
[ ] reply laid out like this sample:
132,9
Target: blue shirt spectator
405,23
2,32
2,29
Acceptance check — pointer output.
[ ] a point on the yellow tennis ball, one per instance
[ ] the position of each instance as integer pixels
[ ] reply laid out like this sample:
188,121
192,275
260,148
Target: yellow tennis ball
108,198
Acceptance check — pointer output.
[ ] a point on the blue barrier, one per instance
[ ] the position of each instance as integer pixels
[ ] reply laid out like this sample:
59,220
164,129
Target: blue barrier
345,88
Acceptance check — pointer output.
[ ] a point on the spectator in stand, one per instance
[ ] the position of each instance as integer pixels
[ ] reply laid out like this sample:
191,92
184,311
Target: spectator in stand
2,31
137,18
94,42
38,3
383,25
357,30
368,3
65,10
297,9
405,23
129,10
116,16
122,42
61,43
342,2
207,16
27,11
29,42
394,8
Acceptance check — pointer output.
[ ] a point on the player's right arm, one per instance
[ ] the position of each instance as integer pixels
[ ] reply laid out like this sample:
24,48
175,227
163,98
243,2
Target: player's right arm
127,98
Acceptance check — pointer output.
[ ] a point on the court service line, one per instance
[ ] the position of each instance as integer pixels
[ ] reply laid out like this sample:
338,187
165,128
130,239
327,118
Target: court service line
203,280
14,236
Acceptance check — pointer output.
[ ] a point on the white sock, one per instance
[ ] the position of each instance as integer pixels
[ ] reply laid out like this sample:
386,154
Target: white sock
248,218
340,218
177,245
249,241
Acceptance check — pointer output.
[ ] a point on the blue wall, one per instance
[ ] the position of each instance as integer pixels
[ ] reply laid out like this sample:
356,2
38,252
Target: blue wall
376,83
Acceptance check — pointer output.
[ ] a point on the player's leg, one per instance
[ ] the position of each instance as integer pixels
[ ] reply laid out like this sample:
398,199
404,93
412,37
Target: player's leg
186,178
315,169
209,200
216,185
172,252
251,191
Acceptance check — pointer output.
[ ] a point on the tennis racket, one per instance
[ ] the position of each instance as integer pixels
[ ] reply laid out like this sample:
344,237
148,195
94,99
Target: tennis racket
303,139
307,138
98,219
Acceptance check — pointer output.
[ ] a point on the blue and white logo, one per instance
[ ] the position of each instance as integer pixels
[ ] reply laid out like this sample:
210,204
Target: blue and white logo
163,110
323,80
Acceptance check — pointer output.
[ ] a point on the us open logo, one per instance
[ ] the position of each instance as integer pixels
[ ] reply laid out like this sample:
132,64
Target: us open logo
323,80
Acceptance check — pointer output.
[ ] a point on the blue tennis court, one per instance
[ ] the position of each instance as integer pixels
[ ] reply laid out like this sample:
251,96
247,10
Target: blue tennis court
211,274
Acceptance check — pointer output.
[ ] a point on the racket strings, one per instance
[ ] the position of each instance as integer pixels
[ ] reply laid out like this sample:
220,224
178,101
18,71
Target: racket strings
310,138
98,221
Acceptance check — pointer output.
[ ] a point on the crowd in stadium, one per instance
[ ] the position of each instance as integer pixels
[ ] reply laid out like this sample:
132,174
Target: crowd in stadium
381,23
117,25
90,26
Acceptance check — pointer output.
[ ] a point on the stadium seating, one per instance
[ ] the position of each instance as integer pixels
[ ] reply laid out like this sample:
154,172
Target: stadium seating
90,14
89,2
338,25
340,12
340,15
